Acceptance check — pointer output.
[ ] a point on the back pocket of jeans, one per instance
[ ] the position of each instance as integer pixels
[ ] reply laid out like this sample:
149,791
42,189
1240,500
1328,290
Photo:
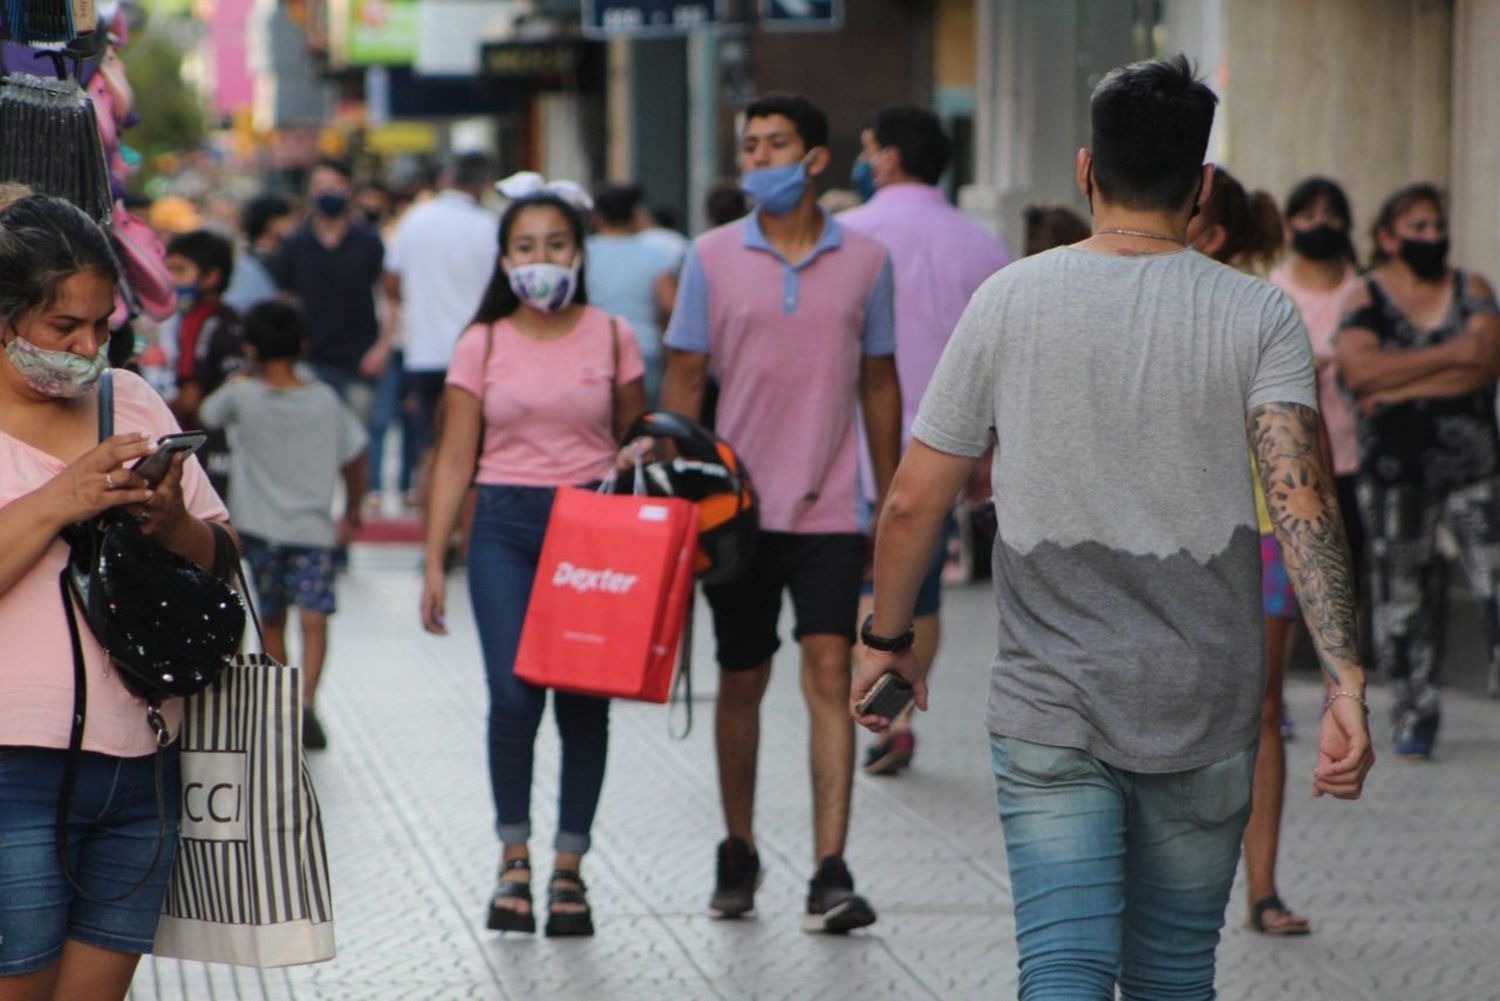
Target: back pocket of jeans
1217,793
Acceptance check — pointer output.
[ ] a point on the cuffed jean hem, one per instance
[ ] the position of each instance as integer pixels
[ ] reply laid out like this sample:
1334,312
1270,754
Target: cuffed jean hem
566,841
513,834
575,844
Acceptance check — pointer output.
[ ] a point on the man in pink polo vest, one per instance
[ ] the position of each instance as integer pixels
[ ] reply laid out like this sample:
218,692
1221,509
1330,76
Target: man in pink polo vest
793,314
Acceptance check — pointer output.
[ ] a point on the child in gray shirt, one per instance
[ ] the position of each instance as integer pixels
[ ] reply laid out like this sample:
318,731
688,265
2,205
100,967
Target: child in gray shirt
291,440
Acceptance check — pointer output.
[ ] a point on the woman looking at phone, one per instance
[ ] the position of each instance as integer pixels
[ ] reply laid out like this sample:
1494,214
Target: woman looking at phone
58,940
540,388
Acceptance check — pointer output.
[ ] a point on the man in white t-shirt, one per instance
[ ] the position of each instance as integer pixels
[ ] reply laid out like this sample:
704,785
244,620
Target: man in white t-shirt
437,267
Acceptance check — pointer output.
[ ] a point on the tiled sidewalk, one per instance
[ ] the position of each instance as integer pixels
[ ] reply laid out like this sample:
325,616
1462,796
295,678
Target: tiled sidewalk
1403,888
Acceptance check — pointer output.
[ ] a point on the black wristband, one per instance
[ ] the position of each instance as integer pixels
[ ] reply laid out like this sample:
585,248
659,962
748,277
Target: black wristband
885,644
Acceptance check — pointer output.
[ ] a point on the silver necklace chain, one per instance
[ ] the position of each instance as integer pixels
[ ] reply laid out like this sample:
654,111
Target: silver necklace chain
1118,231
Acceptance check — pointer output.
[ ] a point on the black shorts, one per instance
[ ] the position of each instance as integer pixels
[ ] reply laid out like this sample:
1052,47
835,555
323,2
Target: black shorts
823,572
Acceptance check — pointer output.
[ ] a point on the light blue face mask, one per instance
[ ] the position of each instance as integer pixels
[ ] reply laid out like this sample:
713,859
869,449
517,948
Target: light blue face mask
776,190
862,179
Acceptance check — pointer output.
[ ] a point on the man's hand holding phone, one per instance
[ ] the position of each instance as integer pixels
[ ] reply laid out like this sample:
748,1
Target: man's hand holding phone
873,667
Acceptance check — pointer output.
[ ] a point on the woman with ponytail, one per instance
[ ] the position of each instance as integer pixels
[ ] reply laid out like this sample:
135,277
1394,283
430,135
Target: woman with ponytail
540,388
1244,231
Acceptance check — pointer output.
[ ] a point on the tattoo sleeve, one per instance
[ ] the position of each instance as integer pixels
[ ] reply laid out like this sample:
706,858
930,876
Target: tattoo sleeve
1304,509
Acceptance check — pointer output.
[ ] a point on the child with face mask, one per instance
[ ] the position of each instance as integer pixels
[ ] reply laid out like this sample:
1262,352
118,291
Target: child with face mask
204,336
540,388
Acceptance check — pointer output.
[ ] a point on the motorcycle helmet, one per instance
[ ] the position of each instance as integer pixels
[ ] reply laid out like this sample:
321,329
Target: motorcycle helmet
707,472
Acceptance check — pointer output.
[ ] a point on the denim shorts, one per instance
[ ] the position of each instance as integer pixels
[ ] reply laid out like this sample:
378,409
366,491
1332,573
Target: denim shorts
112,831
290,575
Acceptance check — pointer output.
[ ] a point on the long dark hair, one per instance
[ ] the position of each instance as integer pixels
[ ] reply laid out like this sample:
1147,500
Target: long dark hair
1313,190
1397,206
1251,221
500,299
44,242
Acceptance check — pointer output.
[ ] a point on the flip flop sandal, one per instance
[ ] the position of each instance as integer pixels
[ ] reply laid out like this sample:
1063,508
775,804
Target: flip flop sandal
508,918
568,924
1293,925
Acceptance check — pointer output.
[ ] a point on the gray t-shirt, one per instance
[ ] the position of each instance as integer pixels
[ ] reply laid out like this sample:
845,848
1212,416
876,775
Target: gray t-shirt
1127,560
287,448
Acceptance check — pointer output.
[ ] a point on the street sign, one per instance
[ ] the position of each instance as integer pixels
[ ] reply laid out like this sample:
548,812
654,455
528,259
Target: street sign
802,15
645,18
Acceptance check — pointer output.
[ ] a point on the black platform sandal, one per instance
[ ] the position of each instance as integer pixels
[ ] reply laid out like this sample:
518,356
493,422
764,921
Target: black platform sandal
507,918
568,924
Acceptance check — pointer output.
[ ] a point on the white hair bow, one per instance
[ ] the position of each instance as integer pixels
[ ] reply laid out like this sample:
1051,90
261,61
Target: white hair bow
529,182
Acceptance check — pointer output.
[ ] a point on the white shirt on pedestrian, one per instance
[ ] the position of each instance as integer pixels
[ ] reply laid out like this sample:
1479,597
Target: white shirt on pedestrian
444,252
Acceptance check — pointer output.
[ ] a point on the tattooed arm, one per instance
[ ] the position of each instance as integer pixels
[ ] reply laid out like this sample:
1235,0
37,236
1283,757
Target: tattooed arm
1304,508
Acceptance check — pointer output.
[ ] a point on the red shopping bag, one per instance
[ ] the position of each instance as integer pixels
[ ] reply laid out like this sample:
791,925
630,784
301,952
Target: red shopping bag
611,592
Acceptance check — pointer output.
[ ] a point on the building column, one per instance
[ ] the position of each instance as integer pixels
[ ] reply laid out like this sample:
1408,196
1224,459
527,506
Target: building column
1476,137
1038,63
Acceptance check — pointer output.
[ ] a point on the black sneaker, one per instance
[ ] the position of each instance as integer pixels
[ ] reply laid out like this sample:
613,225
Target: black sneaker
833,908
739,876
313,737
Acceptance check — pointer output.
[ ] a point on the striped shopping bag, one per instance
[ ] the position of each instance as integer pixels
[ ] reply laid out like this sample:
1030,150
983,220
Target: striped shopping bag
250,882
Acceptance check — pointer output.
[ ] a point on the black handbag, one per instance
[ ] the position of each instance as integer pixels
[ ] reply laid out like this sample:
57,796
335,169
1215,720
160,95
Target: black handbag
167,625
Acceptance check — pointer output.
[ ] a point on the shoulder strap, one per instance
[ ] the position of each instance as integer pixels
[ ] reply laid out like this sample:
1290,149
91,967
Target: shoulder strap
107,405
614,376
484,368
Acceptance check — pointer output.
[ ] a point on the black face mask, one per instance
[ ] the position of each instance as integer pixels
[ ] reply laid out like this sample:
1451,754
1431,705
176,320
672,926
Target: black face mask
1319,243
1425,257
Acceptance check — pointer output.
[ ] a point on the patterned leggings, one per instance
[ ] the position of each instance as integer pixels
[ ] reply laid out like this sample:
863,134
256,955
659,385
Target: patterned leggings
1407,604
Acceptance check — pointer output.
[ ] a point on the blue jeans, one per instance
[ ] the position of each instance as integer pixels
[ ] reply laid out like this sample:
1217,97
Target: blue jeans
1118,877
112,832
393,406
506,542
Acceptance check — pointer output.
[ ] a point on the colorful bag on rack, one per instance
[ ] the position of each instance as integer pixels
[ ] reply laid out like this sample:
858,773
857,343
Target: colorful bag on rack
610,595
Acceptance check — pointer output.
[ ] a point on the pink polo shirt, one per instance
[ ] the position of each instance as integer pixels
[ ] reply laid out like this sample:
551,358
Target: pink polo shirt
940,257
785,341
36,657
1321,312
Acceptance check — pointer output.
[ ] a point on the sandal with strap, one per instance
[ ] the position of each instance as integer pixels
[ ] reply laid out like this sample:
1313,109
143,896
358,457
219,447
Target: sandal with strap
1292,924
568,924
504,918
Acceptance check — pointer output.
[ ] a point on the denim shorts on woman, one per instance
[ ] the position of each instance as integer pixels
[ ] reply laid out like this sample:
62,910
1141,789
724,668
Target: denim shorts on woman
112,830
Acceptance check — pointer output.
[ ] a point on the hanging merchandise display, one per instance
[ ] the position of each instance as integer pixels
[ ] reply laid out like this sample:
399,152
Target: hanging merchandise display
51,139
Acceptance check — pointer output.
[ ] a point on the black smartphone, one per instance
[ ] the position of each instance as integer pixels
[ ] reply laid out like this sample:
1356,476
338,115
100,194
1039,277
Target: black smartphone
152,468
889,698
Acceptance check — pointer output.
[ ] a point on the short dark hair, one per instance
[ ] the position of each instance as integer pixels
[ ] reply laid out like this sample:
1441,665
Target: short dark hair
470,171
1151,122
917,134
807,118
618,203
666,217
206,249
339,167
275,329
260,212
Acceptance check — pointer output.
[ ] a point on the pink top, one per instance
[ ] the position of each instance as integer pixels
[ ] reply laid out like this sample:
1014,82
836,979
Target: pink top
548,405
940,256
1321,312
786,342
36,657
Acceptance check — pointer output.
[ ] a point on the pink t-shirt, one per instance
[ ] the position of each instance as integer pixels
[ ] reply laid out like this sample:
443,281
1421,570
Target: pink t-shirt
36,657
548,405
1321,312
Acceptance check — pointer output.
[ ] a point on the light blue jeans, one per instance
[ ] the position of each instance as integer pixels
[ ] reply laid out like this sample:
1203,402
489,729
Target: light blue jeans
1119,878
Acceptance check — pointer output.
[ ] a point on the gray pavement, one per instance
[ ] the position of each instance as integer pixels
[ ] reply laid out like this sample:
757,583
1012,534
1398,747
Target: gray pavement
1403,888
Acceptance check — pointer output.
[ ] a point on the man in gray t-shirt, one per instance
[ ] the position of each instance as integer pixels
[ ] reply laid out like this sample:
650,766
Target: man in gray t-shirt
1125,382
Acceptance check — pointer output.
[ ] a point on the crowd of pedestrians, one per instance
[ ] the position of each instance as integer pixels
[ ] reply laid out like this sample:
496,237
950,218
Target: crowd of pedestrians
1242,455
